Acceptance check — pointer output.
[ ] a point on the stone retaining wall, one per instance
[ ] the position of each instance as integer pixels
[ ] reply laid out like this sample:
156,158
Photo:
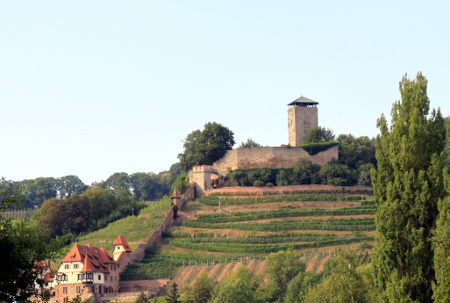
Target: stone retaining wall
139,253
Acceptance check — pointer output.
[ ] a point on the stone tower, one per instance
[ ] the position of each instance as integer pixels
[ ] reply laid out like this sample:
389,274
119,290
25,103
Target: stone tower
302,116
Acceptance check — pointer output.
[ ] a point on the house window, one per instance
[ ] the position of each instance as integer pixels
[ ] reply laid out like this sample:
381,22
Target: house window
110,278
75,266
99,277
79,290
66,300
67,266
64,290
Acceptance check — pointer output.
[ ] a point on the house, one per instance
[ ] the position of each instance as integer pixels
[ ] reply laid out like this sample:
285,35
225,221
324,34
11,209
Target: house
90,272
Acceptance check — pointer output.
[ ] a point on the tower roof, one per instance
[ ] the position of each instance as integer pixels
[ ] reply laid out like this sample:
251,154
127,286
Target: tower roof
175,195
121,241
303,101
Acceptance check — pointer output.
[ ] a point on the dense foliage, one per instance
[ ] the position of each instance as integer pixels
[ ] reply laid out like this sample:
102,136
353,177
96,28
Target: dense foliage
317,147
91,210
286,281
319,134
206,146
305,172
181,184
36,191
408,185
142,186
249,144
22,243
441,242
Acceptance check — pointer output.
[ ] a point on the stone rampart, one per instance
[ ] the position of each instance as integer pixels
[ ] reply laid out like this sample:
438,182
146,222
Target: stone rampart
139,253
274,157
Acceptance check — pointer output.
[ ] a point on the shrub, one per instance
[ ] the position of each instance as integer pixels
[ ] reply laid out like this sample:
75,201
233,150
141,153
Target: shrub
270,184
314,148
258,183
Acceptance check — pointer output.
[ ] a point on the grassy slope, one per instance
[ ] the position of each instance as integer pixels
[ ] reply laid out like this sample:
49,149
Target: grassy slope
134,229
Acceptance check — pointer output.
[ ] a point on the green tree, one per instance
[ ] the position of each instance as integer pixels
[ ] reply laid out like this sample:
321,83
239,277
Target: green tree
319,134
240,287
38,190
22,243
355,151
344,284
117,181
148,186
284,177
143,298
298,287
206,146
200,291
334,173
408,184
181,184
281,268
70,185
249,143
441,242
364,177
172,294
306,172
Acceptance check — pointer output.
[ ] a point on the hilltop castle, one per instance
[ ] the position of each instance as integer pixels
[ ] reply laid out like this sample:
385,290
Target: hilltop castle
302,116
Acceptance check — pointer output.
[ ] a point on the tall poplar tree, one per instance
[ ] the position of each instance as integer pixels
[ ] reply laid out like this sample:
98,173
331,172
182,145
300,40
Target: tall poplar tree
441,242
408,184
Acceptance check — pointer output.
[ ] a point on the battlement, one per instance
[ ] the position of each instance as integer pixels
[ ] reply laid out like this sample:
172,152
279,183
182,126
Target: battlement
202,169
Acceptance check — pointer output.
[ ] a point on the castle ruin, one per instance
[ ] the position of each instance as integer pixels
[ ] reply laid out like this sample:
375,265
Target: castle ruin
302,116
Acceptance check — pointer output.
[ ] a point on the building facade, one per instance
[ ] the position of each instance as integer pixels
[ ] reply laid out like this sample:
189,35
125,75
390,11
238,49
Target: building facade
90,272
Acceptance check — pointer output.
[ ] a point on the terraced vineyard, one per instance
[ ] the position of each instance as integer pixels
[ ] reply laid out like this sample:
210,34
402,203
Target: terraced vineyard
223,230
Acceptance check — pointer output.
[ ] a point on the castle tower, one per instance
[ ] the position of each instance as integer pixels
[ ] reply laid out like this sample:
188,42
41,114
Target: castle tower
120,246
302,116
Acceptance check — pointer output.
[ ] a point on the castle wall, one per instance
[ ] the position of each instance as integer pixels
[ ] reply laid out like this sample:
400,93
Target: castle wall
275,157
139,253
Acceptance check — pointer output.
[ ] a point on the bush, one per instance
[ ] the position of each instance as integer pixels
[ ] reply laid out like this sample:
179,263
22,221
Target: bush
337,174
314,148
181,184
258,183
270,184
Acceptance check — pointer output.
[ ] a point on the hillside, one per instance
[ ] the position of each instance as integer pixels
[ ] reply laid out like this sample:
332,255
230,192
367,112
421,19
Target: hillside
135,229
231,227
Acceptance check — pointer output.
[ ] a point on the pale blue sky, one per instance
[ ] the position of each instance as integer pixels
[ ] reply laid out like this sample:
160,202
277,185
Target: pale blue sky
96,87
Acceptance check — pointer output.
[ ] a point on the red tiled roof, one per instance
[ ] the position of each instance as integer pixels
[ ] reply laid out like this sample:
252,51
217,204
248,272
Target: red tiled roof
121,241
94,259
48,277
88,266
41,264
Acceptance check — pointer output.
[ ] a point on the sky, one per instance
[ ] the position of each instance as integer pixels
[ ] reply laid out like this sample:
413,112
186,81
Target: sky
90,88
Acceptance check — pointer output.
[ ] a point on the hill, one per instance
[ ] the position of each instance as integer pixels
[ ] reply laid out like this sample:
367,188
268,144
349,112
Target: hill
230,227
